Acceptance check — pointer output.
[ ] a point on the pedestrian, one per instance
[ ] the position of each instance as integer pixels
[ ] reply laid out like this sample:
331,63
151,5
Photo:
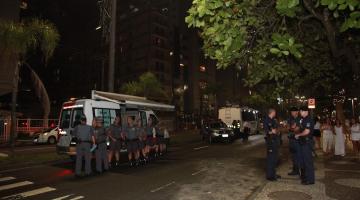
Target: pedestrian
247,130
272,144
116,140
102,163
132,142
355,136
84,136
339,139
293,124
166,137
317,133
306,147
327,136
160,139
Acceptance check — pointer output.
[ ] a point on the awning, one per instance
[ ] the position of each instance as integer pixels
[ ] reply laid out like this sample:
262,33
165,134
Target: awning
140,102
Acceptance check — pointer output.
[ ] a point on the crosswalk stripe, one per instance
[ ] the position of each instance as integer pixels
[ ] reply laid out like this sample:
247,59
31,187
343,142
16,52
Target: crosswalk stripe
77,198
14,185
8,178
30,193
63,197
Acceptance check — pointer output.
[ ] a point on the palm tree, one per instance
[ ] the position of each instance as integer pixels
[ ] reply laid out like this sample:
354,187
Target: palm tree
16,40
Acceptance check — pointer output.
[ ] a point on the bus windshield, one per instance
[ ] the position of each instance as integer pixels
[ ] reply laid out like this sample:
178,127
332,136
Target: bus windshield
65,118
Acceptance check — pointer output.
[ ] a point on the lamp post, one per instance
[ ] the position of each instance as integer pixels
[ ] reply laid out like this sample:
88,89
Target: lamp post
352,105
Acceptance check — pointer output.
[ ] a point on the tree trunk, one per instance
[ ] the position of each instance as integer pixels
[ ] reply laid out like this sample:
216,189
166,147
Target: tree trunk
340,112
13,131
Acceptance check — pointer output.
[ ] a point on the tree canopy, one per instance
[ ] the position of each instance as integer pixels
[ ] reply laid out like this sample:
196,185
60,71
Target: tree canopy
285,47
147,86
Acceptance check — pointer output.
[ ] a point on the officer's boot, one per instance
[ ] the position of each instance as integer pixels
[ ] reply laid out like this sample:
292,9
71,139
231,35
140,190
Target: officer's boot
302,175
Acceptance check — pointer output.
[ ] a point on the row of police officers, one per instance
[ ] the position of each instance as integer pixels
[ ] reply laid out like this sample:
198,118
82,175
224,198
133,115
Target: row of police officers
139,140
300,127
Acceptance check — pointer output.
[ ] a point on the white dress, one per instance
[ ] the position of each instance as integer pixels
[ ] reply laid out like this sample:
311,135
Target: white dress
328,140
339,141
355,132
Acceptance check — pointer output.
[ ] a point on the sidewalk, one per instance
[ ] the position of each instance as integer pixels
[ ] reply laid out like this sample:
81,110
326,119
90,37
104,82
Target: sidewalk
336,178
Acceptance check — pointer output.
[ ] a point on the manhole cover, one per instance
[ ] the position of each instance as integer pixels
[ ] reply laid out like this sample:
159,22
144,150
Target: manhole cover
286,195
349,182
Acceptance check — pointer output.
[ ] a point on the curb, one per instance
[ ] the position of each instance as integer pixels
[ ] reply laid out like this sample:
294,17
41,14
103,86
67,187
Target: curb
4,155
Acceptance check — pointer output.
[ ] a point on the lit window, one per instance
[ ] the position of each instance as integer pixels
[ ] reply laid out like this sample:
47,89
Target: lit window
202,85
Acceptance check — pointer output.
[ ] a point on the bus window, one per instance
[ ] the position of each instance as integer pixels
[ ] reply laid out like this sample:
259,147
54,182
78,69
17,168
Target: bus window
65,118
107,115
77,113
112,115
154,118
106,118
143,119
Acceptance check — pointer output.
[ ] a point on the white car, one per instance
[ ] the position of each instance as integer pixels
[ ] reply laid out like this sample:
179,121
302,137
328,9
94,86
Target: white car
48,136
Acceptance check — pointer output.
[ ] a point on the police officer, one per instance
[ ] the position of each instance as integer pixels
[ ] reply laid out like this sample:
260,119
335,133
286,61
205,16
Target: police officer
150,137
272,144
160,139
132,142
115,136
84,136
293,124
305,141
142,140
100,152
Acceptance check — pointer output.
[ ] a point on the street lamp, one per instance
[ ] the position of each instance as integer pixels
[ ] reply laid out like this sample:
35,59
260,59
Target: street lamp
352,105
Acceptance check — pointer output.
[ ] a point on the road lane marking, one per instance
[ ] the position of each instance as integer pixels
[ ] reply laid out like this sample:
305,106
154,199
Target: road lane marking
8,178
77,198
30,193
34,149
63,197
197,148
22,168
198,172
162,187
15,185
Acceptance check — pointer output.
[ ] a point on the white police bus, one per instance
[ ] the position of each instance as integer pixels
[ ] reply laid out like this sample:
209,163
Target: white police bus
106,106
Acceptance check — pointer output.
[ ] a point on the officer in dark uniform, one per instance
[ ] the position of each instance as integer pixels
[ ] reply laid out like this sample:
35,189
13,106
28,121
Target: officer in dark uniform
272,144
305,141
84,135
293,124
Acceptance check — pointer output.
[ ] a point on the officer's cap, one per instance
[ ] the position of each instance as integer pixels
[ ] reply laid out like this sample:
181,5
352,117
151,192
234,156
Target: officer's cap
294,109
83,118
304,108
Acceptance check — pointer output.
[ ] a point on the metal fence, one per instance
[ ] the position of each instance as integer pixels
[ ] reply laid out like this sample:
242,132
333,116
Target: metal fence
25,127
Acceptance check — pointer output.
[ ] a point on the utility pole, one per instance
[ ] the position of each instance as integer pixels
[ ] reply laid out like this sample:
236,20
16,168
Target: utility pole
112,41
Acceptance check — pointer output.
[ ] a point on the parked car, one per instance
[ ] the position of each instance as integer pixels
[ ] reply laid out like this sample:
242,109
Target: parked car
216,130
48,136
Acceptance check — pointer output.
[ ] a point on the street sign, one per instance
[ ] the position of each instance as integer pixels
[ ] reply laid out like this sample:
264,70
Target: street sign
311,103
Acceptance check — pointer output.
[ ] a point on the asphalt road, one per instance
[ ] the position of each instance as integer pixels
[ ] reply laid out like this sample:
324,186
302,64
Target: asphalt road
191,170
30,149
